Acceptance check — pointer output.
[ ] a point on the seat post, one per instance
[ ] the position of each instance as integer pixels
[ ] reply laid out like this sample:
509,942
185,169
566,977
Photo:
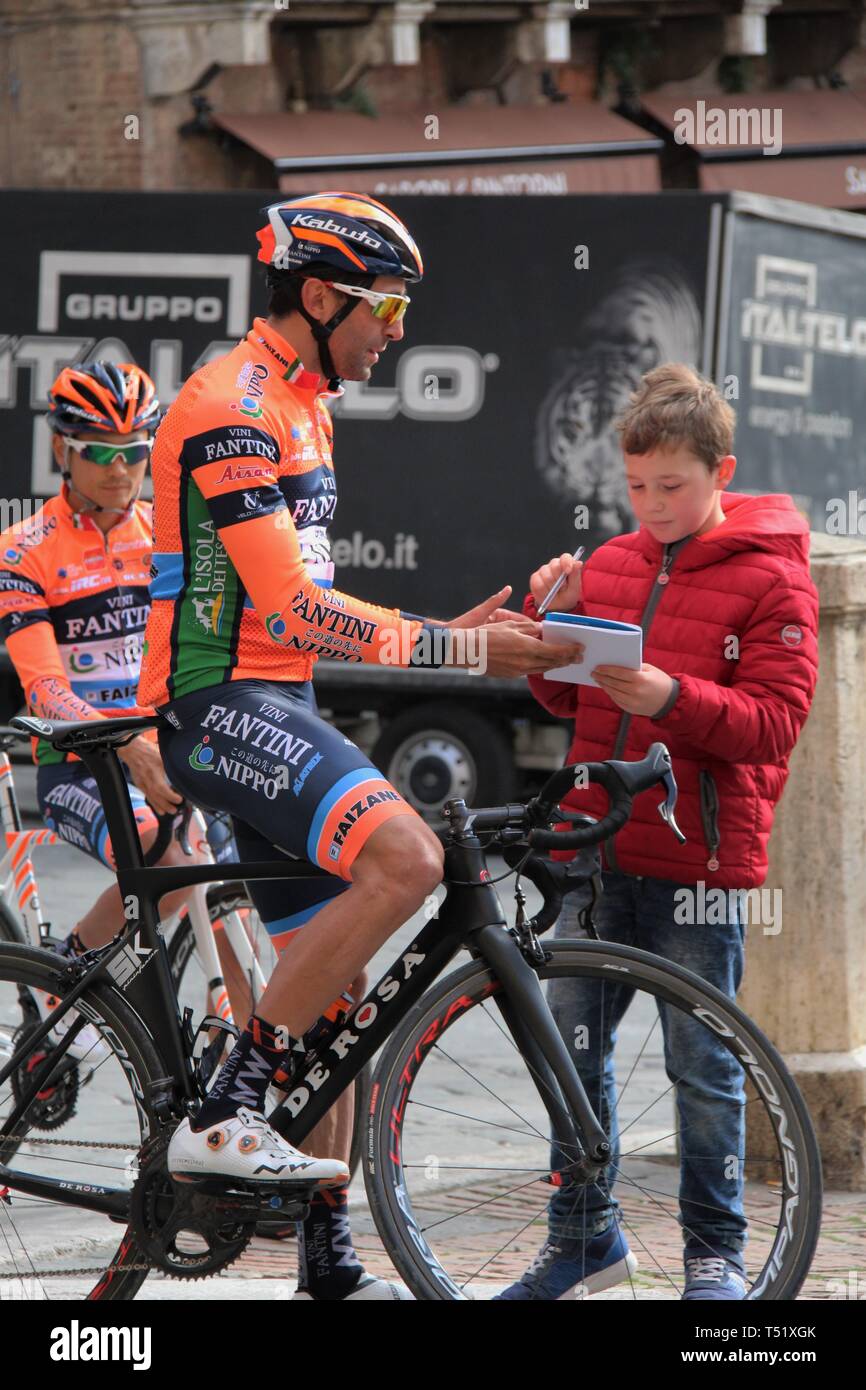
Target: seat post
103,763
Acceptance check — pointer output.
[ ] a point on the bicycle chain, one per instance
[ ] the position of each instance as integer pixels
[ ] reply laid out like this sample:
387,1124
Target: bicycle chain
75,1273
67,1143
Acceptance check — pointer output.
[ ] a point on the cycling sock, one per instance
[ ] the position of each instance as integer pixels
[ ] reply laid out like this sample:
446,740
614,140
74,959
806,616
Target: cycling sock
321,1030
328,1266
245,1077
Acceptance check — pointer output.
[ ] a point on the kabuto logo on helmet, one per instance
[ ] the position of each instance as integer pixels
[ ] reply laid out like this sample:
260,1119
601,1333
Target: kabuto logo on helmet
304,219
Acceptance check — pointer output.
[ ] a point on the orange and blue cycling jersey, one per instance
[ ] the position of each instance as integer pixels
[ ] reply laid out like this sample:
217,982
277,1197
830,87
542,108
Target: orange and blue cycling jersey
73,608
243,606
243,581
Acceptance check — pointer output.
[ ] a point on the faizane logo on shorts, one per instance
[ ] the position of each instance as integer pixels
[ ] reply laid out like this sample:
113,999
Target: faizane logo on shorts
77,1343
354,813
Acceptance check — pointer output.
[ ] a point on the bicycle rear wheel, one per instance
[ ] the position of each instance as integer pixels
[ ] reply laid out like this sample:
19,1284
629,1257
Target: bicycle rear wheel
84,1131
459,1174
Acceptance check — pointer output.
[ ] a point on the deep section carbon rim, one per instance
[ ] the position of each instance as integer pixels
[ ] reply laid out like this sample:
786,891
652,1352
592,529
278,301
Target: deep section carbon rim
84,1131
460,1166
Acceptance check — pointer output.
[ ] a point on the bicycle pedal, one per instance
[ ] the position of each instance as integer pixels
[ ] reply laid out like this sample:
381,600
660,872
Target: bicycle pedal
271,1204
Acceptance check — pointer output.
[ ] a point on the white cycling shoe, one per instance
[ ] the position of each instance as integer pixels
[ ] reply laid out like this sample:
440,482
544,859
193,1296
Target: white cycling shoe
369,1288
245,1147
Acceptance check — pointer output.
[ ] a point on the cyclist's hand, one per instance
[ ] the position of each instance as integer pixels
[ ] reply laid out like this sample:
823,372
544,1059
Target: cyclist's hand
144,762
487,612
544,579
503,649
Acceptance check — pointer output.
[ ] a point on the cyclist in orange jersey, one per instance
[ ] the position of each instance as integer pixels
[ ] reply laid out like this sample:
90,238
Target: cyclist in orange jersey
243,605
74,602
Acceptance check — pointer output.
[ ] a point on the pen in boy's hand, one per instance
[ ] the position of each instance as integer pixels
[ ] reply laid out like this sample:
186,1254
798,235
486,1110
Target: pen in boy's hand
551,595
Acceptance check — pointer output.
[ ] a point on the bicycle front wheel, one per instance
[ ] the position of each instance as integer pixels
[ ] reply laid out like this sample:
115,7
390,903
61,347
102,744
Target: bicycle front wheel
461,1173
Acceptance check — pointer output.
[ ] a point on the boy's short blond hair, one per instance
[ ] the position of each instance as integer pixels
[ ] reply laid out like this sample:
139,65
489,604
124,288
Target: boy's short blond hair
673,405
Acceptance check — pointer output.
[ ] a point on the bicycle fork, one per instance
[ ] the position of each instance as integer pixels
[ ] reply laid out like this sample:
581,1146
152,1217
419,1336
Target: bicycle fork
473,905
528,1019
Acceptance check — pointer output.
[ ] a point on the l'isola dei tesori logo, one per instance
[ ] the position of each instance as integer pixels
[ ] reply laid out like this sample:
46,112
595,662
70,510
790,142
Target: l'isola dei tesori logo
201,757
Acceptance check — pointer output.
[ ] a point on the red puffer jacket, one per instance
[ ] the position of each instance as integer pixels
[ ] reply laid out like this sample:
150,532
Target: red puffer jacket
735,718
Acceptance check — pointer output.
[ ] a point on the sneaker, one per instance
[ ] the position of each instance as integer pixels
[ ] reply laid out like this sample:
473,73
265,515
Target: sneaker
245,1147
711,1275
563,1265
87,1045
367,1288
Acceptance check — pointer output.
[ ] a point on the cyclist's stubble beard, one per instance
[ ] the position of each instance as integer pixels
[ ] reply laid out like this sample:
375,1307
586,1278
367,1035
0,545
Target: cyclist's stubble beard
354,343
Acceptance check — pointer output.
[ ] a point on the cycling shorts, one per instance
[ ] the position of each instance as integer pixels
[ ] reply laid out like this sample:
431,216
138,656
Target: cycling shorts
259,750
70,805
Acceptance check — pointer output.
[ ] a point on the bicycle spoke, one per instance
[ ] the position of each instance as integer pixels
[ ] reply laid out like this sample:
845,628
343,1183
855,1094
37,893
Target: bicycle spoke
476,1206
459,1115
502,1102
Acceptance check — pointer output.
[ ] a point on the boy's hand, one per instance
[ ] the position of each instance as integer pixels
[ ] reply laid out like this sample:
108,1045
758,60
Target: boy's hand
637,692
544,579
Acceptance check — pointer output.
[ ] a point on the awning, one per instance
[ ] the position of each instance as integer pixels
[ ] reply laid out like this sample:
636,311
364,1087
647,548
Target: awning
820,137
831,182
566,147
625,174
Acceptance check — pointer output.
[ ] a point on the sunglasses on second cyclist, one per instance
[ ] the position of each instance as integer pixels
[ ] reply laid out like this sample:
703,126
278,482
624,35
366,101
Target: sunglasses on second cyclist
390,308
103,455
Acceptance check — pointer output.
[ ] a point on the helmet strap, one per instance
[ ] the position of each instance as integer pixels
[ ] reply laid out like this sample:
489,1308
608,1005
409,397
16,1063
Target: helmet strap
322,333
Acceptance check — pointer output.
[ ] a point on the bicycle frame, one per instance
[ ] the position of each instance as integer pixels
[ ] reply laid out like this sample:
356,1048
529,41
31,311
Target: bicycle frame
471,916
17,879
18,885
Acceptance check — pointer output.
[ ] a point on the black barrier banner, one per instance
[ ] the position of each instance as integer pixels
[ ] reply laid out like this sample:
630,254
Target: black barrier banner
796,346
484,442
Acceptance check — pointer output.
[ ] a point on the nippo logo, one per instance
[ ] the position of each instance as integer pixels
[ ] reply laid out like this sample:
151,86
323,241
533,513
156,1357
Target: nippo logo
792,635
275,626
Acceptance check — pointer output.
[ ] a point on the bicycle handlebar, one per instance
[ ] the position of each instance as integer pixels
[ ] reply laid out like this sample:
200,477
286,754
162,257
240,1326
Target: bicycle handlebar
604,776
621,780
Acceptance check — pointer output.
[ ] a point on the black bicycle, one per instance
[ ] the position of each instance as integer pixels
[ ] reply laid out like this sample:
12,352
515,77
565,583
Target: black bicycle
478,1108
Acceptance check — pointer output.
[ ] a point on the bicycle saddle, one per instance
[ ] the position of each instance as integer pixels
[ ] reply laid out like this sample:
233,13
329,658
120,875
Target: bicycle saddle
76,733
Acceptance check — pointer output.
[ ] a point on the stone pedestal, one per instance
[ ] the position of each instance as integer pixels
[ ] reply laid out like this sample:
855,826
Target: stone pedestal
805,985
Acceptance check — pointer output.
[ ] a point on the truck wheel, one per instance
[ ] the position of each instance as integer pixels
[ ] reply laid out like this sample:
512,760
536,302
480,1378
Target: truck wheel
435,752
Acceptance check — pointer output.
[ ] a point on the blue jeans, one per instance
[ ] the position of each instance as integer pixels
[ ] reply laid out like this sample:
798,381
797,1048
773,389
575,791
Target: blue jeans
710,1095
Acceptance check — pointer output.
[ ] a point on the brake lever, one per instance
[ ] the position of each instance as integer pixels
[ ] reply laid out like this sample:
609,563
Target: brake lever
182,831
666,808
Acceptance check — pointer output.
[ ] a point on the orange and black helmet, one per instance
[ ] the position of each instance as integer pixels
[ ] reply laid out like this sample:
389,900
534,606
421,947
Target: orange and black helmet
345,232
103,396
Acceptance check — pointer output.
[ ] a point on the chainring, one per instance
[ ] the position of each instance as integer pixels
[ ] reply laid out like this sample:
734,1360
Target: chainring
186,1232
55,1104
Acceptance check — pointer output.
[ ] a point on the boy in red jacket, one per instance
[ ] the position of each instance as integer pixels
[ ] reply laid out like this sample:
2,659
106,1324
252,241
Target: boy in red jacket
720,584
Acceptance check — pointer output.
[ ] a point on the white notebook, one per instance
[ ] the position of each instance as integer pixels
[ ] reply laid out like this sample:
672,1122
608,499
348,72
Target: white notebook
605,643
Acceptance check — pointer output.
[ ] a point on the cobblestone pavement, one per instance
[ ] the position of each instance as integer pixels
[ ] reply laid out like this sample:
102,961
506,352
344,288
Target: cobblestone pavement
838,1271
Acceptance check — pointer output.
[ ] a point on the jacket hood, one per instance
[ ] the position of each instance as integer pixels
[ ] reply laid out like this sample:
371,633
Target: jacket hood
770,523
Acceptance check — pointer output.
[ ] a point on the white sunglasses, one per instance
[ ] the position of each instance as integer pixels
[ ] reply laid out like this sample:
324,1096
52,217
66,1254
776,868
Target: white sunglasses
388,307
